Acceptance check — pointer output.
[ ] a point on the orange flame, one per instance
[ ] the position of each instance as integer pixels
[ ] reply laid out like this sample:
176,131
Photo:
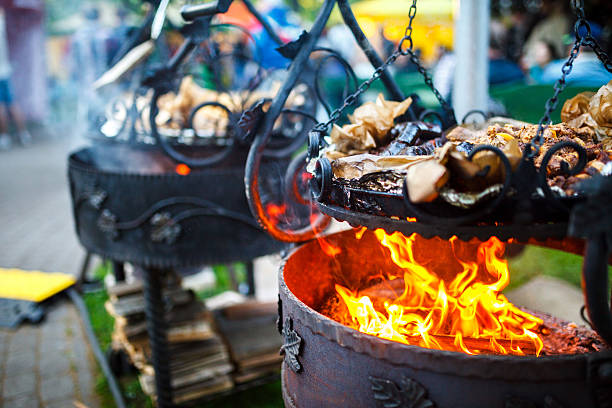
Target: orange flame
182,169
464,313
329,249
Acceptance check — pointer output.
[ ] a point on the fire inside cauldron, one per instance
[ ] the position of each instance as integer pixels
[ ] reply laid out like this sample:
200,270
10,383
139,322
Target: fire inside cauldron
377,319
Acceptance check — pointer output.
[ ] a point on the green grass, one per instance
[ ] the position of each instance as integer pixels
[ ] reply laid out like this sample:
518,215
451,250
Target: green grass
223,280
544,261
265,396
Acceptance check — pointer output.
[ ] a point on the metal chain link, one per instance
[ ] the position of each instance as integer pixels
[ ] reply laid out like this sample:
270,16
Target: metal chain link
601,54
585,39
404,48
553,101
588,39
352,98
578,6
429,81
408,32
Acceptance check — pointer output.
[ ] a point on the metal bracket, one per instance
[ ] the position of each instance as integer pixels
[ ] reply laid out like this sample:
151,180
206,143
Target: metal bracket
291,346
409,394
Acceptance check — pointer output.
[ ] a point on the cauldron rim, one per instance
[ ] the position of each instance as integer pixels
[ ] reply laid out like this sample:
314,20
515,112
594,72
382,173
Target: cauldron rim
77,162
485,366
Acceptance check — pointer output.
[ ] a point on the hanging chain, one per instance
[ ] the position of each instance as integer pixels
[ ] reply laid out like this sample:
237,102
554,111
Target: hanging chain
408,33
601,54
553,101
352,98
589,40
428,81
582,39
404,49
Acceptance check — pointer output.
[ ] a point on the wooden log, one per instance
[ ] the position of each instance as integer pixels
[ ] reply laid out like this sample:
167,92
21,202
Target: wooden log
484,345
250,309
121,289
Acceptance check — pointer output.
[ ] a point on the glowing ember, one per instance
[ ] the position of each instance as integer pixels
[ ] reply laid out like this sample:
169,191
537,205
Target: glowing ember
182,169
275,211
461,310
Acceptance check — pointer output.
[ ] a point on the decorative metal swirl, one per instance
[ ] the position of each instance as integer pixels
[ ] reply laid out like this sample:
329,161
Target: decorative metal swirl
349,76
473,112
166,226
423,216
119,113
427,113
122,119
171,151
565,169
296,170
320,184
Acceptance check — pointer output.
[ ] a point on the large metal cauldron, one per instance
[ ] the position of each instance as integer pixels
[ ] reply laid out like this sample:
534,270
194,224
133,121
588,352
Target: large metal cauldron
328,364
130,205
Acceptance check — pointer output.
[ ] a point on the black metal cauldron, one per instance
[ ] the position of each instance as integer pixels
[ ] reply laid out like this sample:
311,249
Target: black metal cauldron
131,205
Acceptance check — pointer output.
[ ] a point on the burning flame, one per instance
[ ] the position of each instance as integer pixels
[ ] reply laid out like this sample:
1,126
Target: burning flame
182,169
464,313
329,249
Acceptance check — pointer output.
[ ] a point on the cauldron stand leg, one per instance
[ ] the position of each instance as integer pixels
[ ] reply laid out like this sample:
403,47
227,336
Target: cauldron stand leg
157,331
84,268
119,271
250,276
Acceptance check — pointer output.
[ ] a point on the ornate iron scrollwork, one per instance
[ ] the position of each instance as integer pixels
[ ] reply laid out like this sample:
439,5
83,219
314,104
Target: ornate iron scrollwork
250,119
290,49
165,228
165,225
107,222
291,346
96,198
91,193
409,394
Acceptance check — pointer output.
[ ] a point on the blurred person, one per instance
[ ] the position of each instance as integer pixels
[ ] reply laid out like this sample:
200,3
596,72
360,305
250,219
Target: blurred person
444,71
587,69
520,24
501,69
544,54
7,105
89,48
89,61
118,36
551,29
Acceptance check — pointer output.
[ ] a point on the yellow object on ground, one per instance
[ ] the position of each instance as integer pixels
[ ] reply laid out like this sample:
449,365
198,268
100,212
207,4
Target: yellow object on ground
34,286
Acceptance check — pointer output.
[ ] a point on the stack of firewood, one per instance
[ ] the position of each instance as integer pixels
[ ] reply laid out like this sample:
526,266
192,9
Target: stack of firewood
249,330
199,360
